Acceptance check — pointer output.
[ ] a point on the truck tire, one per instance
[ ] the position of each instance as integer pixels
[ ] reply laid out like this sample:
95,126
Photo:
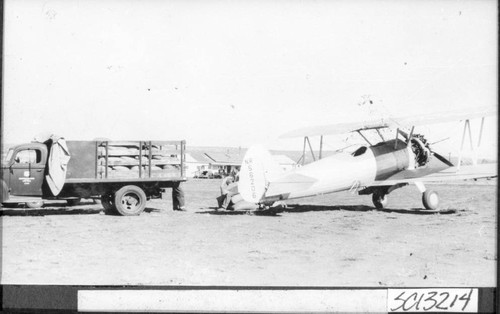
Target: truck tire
73,201
107,202
130,200
34,204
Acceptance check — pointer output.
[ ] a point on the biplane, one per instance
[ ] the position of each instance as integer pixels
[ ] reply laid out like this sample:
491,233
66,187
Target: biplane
376,168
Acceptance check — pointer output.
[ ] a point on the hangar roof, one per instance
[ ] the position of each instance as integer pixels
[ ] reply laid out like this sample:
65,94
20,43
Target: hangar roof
199,157
219,158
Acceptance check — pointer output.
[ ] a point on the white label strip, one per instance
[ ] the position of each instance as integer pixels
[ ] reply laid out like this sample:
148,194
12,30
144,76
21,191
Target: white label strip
233,300
455,300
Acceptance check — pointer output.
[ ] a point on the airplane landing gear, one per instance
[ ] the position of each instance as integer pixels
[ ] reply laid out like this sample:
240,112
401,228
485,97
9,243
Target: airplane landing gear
279,205
430,199
379,193
379,199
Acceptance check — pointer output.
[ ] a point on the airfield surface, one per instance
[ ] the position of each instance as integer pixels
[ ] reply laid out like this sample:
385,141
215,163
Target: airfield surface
330,240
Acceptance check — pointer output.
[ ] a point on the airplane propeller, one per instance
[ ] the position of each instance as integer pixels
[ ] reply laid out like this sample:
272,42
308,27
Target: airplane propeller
441,140
442,159
410,136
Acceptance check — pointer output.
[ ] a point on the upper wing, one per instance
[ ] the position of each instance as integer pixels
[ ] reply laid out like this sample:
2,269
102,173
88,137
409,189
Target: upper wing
445,116
448,174
407,121
339,128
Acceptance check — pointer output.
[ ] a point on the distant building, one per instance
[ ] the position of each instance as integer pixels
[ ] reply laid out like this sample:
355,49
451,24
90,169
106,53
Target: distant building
225,162
195,163
216,161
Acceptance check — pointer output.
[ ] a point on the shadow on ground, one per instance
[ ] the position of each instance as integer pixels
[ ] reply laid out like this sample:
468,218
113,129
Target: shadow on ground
297,208
59,210
294,208
214,211
49,211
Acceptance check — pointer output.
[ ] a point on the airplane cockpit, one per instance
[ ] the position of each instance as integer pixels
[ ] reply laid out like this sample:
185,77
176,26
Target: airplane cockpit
360,151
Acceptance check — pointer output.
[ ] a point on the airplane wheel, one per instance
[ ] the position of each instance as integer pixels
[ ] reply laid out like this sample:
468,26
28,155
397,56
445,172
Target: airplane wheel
379,200
430,199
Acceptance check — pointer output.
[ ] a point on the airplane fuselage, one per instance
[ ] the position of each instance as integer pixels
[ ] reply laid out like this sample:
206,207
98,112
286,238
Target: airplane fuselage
342,171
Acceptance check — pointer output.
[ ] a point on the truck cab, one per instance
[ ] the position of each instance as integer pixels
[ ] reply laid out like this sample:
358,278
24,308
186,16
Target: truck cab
23,170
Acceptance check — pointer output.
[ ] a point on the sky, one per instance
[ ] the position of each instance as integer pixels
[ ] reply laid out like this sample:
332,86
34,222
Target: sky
238,73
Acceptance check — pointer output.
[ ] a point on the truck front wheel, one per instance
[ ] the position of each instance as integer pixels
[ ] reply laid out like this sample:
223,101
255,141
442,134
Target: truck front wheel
130,200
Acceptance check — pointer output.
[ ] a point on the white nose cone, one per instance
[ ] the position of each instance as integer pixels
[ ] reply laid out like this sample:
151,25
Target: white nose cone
252,183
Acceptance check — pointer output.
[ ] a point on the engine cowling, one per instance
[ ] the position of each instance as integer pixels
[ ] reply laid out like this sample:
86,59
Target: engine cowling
391,157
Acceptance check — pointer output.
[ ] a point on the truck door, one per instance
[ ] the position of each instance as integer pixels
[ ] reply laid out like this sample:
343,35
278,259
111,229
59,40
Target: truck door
27,172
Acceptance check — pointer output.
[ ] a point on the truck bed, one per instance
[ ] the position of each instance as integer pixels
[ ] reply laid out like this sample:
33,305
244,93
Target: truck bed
122,161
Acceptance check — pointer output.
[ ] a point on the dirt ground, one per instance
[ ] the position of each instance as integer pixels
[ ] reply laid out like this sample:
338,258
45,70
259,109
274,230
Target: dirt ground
330,240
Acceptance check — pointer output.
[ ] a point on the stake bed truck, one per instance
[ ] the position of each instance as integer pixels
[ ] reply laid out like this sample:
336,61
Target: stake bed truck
124,174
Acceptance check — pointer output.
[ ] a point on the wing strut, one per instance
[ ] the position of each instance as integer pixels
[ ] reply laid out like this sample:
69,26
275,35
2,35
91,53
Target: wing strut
480,133
310,147
320,147
396,141
409,137
380,134
303,157
467,128
359,131
405,136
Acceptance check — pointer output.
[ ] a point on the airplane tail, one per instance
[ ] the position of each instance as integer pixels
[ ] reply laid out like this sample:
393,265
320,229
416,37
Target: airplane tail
257,170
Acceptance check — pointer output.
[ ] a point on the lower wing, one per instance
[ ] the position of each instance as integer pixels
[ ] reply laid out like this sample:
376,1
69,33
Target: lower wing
448,174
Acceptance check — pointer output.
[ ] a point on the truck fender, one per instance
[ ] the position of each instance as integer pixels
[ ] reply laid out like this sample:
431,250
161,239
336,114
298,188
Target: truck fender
5,191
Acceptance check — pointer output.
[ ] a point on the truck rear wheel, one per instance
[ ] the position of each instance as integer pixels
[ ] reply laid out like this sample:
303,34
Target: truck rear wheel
107,201
130,200
73,201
